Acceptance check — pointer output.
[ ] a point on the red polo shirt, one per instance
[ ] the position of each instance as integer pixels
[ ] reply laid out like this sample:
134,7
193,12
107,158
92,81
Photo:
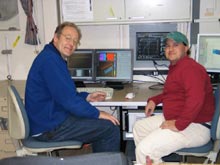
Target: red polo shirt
188,95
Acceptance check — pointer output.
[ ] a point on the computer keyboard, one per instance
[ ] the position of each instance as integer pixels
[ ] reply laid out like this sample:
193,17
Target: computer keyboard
109,91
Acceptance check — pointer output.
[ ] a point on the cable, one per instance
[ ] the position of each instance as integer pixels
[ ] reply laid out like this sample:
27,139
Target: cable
162,80
155,65
113,109
158,86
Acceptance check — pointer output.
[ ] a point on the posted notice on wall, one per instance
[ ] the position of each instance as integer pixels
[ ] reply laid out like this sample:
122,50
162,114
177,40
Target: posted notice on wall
77,10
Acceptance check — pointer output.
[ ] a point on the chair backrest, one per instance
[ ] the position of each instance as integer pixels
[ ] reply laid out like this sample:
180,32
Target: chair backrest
215,128
18,125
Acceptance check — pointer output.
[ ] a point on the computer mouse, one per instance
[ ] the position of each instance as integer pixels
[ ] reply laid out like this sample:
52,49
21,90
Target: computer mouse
130,95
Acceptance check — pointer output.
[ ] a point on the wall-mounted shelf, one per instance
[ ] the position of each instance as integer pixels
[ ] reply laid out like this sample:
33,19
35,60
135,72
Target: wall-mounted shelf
124,22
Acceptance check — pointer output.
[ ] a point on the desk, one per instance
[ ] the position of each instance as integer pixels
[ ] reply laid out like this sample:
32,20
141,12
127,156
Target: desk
141,90
142,93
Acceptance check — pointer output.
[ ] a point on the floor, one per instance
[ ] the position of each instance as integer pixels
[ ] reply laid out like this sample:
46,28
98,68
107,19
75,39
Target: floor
130,154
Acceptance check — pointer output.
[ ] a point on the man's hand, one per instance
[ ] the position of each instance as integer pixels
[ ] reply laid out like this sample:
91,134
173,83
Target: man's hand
169,124
105,115
149,109
96,96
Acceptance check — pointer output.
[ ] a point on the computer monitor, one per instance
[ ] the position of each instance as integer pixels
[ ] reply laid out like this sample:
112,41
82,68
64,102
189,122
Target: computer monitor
147,42
150,46
81,65
114,66
208,54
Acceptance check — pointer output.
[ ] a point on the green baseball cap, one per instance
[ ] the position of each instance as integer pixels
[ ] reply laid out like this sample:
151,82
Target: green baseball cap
177,37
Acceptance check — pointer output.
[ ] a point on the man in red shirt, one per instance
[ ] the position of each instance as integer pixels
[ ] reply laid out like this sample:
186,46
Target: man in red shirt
188,106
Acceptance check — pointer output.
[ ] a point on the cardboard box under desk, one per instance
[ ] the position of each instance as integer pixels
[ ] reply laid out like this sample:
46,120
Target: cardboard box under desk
6,142
5,138
7,148
7,154
3,107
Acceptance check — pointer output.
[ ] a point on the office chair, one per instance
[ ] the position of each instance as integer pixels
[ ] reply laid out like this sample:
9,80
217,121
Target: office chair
18,127
211,149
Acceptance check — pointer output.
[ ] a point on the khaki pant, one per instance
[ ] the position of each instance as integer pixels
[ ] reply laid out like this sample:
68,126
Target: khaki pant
155,142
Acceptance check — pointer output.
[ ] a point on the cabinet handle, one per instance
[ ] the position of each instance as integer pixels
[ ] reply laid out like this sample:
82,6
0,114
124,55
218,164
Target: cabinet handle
136,17
113,18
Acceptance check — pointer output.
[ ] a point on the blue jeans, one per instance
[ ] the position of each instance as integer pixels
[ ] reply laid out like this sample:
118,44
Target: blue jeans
102,134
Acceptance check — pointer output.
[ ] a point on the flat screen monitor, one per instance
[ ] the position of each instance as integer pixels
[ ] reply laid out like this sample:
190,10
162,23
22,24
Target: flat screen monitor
81,65
150,46
147,41
208,53
114,66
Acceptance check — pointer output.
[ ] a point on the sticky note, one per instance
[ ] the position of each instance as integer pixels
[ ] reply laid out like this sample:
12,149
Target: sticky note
16,41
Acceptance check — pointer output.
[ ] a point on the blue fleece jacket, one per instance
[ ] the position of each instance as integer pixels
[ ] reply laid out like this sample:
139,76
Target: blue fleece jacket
50,94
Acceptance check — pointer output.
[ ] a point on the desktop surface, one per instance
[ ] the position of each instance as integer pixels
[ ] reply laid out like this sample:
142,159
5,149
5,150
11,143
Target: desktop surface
141,91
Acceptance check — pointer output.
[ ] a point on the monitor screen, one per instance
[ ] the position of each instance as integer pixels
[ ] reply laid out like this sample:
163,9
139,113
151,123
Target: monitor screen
147,41
114,65
81,64
150,46
208,52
